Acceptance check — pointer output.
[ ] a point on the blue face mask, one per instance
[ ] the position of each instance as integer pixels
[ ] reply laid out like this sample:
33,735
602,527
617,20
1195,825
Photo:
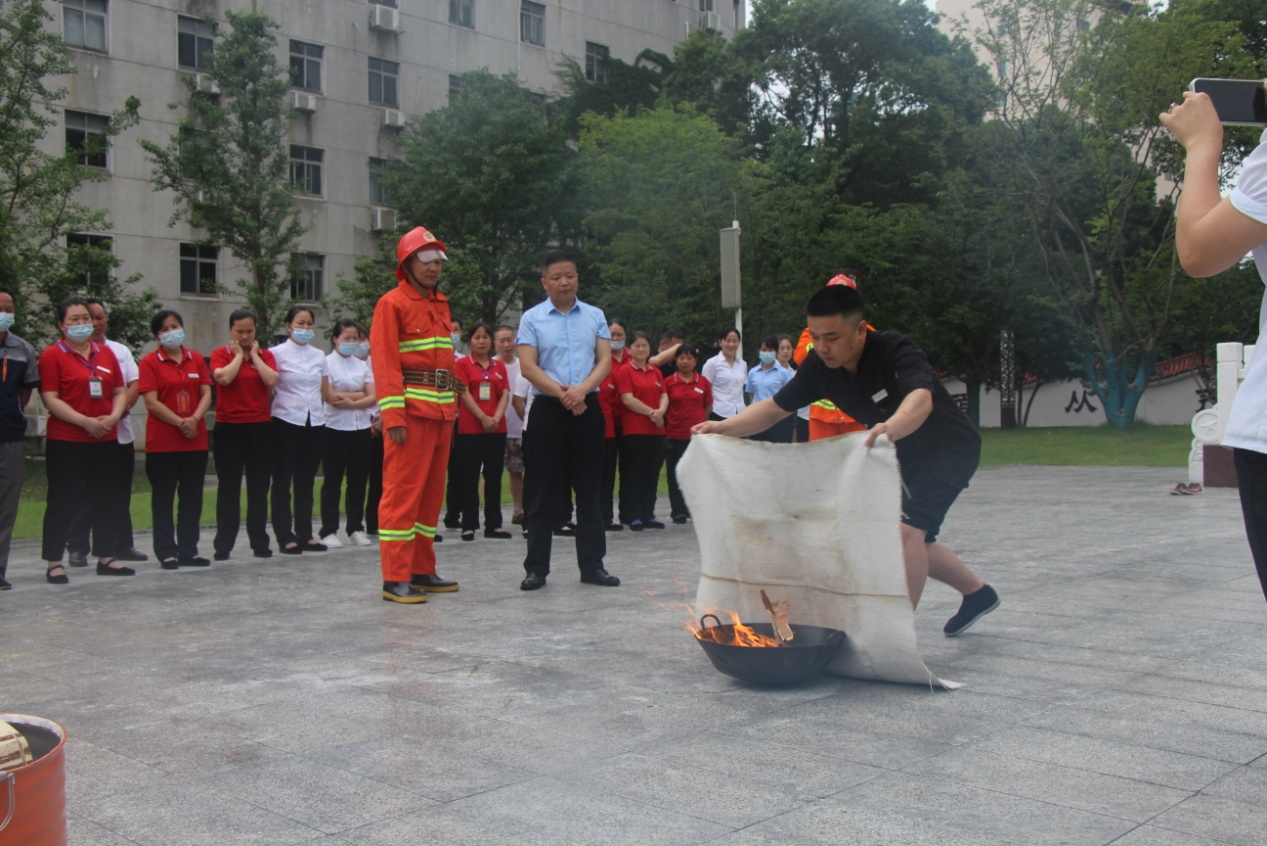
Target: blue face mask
617,346
355,348
6,320
173,339
79,332
302,336
767,357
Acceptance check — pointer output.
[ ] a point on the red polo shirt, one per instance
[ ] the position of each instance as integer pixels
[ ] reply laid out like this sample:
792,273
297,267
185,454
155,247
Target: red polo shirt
645,384
246,399
609,399
178,381
476,375
68,373
687,401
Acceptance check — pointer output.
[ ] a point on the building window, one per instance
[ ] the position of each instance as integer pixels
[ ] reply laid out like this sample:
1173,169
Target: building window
383,77
84,24
306,285
89,254
706,6
378,191
305,169
198,269
462,12
455,86
595,62
391,4
305,65
86,136
195,40
532,22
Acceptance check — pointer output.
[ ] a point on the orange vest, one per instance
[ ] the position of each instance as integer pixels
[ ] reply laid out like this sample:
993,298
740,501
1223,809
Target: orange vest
411,332
823,410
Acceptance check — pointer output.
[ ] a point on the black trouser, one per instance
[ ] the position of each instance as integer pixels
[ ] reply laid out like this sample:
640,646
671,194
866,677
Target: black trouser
346,453
79,474
173,474
779,433
1251,479
375,492
564,445
120,505
473,451
452,500
641,457
673,451
611,456
297,455
242,448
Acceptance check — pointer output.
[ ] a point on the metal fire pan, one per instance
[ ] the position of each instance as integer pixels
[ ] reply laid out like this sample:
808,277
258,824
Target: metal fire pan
793,662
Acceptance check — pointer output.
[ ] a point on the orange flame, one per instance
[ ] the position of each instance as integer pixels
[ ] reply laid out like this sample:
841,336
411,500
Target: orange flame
737,635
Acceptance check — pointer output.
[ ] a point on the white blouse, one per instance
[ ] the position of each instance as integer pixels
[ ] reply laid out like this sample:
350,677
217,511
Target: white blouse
297,399
728,381
1247,424
348,373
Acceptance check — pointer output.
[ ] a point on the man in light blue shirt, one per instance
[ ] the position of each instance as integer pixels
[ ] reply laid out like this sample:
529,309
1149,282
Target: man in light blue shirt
565,353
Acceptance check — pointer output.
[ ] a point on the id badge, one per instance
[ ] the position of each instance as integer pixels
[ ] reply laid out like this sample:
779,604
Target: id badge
486,392
94,389
184,403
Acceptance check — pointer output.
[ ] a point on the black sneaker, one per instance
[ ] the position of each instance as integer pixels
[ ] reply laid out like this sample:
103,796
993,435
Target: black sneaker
973,608
4,585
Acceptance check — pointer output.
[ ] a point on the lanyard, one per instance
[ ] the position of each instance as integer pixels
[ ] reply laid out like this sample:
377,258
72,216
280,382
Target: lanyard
91,364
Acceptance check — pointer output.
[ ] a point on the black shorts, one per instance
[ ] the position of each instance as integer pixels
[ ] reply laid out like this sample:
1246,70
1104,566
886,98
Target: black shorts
932,485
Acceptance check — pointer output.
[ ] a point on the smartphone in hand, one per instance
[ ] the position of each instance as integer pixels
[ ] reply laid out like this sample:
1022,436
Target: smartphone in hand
1238,102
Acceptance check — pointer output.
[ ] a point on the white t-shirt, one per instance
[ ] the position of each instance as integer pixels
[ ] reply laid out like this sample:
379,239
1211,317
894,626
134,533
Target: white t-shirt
297,399
728,381
523,389
1247,424
131,373
348,373
514,426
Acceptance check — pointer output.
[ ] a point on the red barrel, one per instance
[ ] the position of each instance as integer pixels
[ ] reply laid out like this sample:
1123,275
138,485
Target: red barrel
33,798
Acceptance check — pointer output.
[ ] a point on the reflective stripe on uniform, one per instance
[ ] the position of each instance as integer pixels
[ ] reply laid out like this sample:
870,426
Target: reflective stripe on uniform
438,343
429,395
406,535
385,403
825,405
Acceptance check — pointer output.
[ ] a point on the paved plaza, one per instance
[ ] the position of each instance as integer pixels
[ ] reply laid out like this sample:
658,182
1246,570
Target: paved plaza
1118,695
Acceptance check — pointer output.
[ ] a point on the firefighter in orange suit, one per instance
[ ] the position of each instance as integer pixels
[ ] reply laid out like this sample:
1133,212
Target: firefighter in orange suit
825,420
412,355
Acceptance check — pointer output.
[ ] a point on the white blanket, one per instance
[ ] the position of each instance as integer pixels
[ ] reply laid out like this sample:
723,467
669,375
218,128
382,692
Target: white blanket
815,524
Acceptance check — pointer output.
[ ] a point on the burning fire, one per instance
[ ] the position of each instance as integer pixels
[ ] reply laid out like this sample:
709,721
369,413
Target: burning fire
737,635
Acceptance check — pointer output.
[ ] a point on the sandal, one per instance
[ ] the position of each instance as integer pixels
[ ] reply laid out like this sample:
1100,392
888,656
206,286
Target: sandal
63,579
468,536
1195,488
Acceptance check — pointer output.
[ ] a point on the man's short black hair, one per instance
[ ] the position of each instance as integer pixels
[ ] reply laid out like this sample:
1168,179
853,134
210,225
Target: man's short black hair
836,299
671,335
555,257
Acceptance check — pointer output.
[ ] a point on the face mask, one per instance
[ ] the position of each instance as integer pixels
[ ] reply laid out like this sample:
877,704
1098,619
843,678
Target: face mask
172,339
362,349
456,338
767,357
617,346
302,336
81,332
356,348
6,320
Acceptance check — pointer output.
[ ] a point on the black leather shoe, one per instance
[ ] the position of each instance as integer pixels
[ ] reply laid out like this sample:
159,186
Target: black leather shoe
77,559
615,527
599,577
653,524
533,581
468,536
292,550
131,554
107,570
4,584
679,520
439,539
314,546
403,592
260,553
224,556
567,530
194,562
434,584
169,564
497,533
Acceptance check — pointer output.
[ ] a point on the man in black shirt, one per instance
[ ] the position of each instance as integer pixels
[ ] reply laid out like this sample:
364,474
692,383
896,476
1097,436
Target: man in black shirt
883,380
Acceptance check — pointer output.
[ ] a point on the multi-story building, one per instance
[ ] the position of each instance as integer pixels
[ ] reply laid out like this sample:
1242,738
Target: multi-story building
359,71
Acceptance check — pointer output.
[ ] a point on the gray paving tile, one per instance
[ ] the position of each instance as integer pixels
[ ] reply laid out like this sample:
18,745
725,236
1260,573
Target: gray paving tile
94,772
1247,784
1221,819
81,832
1151,835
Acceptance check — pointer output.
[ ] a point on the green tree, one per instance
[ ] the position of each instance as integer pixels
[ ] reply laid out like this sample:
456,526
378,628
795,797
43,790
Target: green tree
1081,90
38,209
228,163
491,175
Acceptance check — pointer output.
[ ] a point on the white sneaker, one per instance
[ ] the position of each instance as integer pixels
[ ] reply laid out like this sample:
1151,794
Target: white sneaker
332,541
360,539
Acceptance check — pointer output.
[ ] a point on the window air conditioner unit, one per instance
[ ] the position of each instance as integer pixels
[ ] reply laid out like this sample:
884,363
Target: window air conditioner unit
382,220
385,18
393,119
301,102
709,20
204,83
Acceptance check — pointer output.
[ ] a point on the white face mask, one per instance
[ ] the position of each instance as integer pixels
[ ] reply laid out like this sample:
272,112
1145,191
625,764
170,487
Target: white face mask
456,338
6,321
617,346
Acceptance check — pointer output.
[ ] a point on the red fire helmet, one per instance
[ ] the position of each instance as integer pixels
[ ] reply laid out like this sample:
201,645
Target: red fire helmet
413,241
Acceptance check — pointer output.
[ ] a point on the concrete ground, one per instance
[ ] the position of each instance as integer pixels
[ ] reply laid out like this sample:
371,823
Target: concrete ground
1119,695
